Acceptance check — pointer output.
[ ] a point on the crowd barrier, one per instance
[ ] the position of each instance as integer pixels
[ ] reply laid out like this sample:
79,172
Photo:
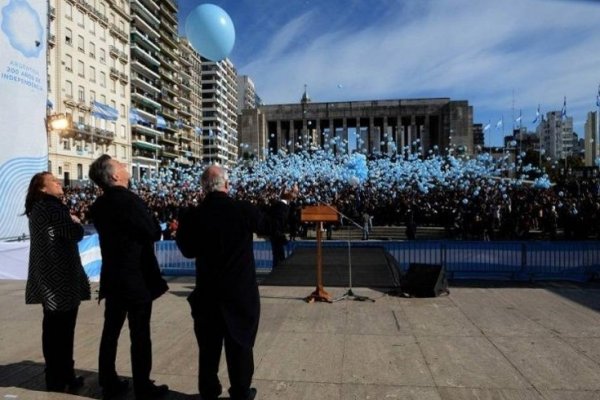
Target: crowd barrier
519,261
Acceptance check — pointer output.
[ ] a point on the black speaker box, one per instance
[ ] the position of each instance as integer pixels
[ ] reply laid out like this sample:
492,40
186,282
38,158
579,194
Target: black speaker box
425,280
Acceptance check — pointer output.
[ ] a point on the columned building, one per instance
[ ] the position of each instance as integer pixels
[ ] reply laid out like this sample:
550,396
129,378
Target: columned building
219,112
88,81
372,127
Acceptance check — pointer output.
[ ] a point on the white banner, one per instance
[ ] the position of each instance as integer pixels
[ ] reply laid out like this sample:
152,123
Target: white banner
23,94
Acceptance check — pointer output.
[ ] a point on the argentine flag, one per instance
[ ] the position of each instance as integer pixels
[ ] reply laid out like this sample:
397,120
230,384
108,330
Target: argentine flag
537,115
563,112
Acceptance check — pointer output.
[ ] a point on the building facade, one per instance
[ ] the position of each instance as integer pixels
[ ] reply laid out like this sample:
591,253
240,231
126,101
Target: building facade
219,112
88,82
591,139
246,93
371,127
556,135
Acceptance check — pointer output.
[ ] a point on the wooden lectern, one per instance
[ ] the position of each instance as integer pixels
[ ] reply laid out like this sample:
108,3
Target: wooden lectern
319,214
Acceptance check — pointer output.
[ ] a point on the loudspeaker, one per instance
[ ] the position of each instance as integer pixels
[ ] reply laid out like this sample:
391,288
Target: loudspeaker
425,280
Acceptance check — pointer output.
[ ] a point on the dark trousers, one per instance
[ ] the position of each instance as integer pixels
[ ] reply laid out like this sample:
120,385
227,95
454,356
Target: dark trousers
58,333
138,316
211,333
278,249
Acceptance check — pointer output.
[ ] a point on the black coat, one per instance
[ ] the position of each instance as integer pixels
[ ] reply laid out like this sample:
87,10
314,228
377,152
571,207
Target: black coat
219,234
127,232
56,278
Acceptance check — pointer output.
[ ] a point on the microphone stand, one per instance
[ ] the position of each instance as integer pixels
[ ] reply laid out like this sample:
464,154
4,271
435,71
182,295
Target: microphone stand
349,294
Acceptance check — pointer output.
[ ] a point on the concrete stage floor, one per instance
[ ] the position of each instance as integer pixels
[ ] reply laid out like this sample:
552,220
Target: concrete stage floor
485,341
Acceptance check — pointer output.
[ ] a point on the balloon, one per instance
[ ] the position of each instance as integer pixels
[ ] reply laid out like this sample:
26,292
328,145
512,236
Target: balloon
211,32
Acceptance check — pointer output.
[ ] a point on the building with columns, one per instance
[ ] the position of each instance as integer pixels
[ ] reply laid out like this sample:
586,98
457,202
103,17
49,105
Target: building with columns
371,127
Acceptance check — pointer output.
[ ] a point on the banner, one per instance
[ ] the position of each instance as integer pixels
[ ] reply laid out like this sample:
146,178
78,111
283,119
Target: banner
23,94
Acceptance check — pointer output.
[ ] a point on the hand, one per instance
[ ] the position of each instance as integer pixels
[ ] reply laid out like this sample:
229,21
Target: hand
75,219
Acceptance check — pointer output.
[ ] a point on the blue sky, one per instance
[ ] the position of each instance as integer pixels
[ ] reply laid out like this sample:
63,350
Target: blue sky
489,52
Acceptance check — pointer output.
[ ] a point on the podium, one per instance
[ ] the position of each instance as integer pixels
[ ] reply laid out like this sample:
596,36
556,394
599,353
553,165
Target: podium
319,214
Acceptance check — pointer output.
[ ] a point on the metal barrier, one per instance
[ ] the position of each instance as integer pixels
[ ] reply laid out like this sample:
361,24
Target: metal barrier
521,261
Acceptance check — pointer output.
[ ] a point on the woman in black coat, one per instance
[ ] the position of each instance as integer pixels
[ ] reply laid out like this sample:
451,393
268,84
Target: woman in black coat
56,277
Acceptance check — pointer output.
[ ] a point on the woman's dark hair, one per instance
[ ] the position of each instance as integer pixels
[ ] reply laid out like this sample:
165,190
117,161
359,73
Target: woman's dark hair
34,192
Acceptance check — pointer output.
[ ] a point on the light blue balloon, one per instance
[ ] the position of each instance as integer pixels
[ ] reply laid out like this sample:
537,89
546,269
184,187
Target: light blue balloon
211,32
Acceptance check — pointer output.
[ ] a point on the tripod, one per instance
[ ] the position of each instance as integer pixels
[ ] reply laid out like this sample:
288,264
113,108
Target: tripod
349,294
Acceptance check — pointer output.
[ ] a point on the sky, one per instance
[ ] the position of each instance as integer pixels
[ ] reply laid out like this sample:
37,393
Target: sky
505,57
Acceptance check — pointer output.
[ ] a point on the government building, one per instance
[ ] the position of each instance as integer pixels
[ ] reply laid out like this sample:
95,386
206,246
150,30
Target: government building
372,127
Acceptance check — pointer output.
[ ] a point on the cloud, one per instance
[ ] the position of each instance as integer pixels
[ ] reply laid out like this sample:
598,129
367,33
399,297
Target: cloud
479,51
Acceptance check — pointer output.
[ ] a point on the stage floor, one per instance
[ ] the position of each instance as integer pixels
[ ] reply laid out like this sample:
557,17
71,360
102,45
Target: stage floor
488,341
371,267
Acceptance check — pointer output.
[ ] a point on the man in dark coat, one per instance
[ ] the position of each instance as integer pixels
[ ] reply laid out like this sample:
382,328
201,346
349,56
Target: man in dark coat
130,277
225,303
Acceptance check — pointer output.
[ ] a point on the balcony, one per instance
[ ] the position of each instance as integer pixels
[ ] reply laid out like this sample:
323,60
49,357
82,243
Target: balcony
142,143
141,82
113,51
142,128
52,40
136,65
119,33
169,139
169,101
171,4
124,78
169,153
52,12
146,99
88,133
114,73
140,52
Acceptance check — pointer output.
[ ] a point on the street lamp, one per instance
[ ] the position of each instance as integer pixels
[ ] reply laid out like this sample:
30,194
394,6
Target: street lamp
57,122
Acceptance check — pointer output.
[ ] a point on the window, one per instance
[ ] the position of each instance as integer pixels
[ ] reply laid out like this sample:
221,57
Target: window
102,78
80,171
60,169
102,33
112,18
81,94
92,74
103,99
79,18
92,95
123,152
92,50
68,37
122,113
69,89
66,146
69,11
49,166
102,56
80,44
69,63
113,86
92,25
81,69
123,135
123,87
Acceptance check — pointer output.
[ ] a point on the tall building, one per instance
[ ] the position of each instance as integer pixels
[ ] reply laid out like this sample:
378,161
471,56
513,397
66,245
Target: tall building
191,102
88,82
246,94
371,127
478,136
591,139
556,135
219,112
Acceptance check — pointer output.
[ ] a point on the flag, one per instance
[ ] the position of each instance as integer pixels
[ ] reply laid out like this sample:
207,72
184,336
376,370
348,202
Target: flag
598,97
135,117
160,121
485,128
104,111
563,112
519,118
198,130
500,123
537,115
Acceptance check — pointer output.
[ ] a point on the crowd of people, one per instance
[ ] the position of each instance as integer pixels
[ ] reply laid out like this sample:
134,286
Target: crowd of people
471,198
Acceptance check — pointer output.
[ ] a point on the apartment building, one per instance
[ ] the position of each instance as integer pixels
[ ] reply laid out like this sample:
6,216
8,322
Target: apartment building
219,112
88,83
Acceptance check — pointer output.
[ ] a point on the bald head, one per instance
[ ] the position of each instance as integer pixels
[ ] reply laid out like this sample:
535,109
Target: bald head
215,179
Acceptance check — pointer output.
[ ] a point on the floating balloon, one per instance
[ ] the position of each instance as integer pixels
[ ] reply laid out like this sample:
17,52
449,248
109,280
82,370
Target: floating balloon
211,32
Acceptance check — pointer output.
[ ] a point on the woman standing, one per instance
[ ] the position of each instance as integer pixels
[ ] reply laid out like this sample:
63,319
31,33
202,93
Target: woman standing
56,277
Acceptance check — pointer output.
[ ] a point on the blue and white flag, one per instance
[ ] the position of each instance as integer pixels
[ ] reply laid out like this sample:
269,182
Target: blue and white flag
198,130
487,127
160,121
563,112
104,111
500,123
598,97
135,117
537,116
519,118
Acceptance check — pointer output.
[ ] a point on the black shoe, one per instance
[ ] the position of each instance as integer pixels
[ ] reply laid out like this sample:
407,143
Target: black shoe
75,383
114,389
250,396
152,391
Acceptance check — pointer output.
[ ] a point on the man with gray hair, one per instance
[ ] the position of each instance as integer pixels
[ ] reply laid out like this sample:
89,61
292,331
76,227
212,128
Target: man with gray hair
129,279
225,302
